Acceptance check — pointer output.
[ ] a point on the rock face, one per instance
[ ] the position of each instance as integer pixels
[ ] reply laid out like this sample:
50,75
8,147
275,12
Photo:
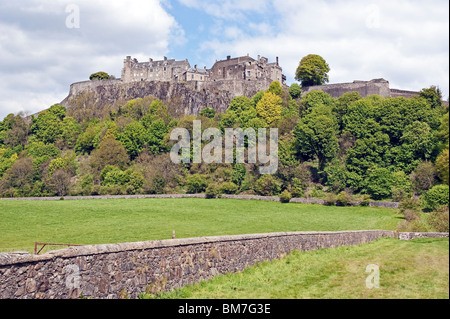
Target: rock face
191,97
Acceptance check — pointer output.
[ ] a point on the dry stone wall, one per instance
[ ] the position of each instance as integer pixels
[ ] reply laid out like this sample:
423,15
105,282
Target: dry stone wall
125,270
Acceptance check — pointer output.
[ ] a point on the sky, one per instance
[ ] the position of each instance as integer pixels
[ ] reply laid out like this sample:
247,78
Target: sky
45,45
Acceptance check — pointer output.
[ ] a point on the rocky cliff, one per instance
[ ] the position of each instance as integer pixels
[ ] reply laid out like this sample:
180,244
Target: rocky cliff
190,97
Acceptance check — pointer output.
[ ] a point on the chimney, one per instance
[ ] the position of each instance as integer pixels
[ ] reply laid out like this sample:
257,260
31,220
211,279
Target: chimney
165,58
277,60
195,66
228,57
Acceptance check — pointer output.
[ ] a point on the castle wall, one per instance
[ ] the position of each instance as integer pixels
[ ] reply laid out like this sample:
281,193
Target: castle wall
364,88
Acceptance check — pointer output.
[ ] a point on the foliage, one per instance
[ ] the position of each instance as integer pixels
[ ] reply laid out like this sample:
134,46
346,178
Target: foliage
442,167
266,185
269,108
208,112
439,219
343,199
285,196
196,183
312,70
436,197
315,137
99,76
379,183
228,188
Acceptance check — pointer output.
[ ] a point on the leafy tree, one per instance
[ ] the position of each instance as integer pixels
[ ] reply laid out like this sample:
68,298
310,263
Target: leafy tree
433,95
314,99
70,131
315,137
379,183
436,197
312,70
109,152
295,90
442,167
367,152
275,88
134,137
423,177
48,126
269,108
99,76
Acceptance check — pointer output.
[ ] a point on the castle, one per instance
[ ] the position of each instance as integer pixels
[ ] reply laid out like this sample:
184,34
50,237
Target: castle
239,69
192,88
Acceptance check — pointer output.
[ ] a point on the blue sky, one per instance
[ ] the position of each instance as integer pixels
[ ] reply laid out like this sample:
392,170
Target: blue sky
403,41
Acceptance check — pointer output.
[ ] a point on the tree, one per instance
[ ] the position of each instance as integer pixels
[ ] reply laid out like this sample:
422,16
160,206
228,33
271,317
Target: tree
269,107
109,152
312,70
433,95
99,76
295,90
315,137
442,166
208,112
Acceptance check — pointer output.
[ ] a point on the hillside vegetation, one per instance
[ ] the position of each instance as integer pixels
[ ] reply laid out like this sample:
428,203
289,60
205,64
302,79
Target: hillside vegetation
334,148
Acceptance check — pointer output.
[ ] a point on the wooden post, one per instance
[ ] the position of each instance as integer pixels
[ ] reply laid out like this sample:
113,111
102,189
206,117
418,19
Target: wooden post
173,234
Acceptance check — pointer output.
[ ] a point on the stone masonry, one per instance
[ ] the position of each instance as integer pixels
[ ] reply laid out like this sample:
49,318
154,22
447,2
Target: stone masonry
125,270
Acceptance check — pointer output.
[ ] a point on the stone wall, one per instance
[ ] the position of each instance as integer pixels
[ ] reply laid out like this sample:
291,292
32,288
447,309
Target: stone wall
125,270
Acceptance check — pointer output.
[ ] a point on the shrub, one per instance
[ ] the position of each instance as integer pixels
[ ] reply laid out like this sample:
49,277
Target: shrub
196,183
228,188
439,219
297,192
267,186
285,196
211,191
343,199
365,200
411,215
409,204
435,197
330,199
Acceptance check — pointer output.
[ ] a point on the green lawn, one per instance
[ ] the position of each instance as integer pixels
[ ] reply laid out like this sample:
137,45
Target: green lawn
417,269
99,221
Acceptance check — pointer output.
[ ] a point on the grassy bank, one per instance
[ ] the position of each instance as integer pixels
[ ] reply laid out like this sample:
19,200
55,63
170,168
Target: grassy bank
417,269
127,220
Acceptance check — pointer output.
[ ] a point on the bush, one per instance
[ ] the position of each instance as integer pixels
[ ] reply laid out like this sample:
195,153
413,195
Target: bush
285,196
228,188
343,199
330,199
267,186
435,197
409,204
365,200
411,215
439,219
211,191
196,184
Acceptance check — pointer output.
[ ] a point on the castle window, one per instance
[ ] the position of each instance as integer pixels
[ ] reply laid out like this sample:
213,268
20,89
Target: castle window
151,70
249,73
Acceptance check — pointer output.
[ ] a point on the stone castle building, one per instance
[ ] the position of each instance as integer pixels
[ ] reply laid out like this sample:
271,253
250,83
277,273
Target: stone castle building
243,68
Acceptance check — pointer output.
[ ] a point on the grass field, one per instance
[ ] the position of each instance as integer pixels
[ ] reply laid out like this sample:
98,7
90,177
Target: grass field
417,269
103,221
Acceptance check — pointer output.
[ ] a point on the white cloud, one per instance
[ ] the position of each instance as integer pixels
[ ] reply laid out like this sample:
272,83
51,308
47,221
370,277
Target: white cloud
41,57
405,42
